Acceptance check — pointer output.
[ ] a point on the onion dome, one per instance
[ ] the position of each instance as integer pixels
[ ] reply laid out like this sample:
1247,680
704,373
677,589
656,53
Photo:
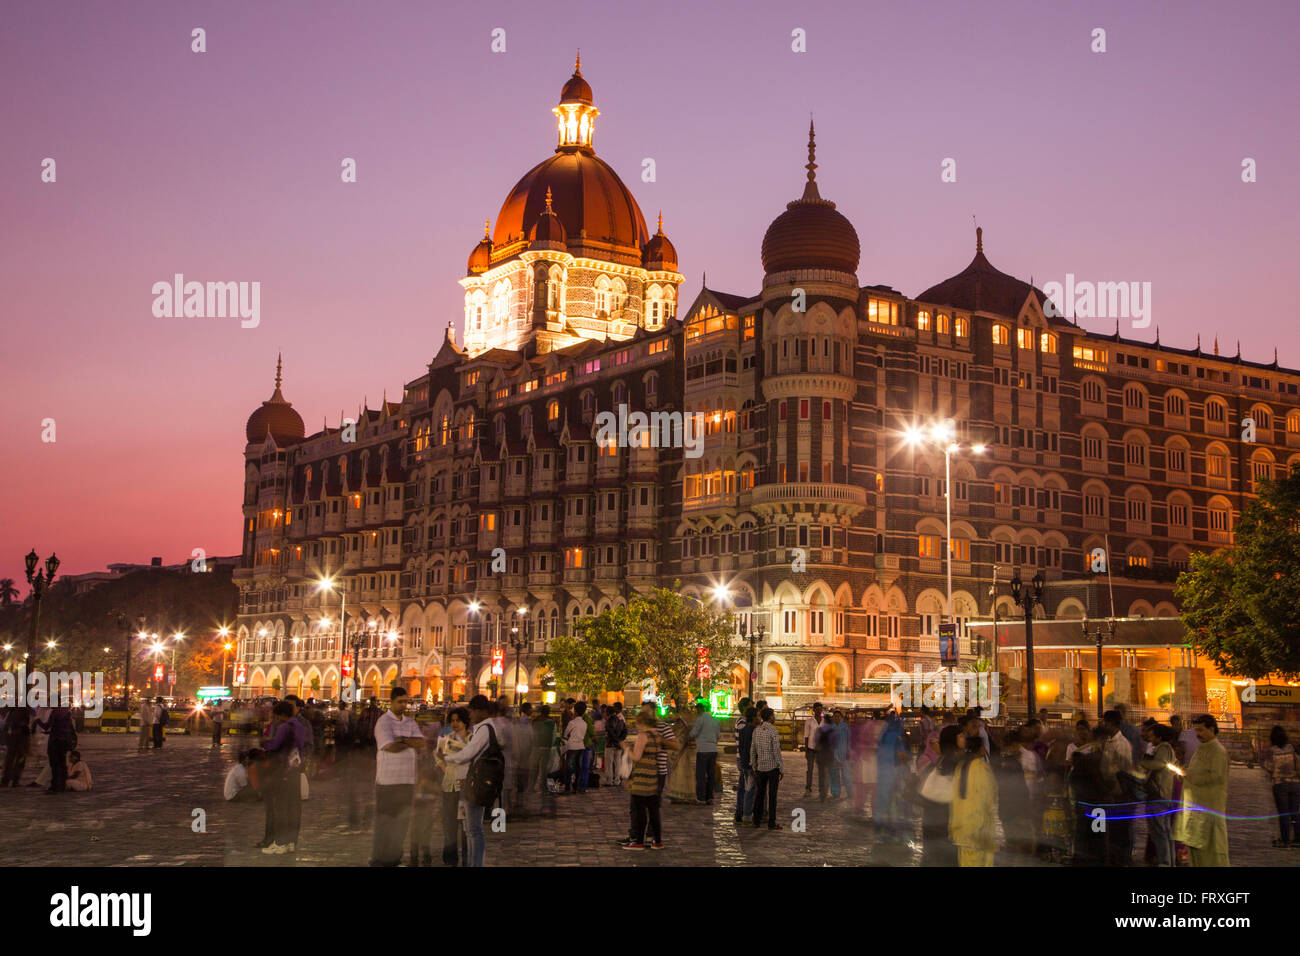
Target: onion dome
659,254
982,288
810,234
481,258
577,90
548,233
276,418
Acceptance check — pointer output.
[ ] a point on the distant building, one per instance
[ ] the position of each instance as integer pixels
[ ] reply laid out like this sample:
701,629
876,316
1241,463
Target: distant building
81,583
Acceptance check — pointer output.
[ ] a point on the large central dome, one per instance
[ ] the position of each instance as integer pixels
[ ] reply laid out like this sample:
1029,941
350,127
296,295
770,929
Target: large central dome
600,218
810,234
586,194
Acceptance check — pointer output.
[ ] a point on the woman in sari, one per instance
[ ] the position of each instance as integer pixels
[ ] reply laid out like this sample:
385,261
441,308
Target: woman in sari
973,825
935,797
681,767
865,734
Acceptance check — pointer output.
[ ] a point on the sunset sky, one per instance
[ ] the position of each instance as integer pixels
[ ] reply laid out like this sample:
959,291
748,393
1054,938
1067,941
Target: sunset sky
1115,166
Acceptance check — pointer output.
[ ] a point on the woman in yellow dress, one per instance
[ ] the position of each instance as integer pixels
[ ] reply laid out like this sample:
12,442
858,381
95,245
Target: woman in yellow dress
681,768
973,825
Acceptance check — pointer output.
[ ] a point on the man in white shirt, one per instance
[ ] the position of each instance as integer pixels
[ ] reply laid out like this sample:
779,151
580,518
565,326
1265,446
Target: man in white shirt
238,786
810,744
397,742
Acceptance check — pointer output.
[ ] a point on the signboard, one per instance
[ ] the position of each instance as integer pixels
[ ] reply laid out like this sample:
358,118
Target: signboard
241,673
702,669
1273,694
158,673
213,693
347,666
948,645
171,678
498,661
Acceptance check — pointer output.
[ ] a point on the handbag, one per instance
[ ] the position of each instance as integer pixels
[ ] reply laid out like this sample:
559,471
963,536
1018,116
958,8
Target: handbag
937,787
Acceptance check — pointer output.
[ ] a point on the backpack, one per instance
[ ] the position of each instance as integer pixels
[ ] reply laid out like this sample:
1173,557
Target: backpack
615,729
163,716
487,773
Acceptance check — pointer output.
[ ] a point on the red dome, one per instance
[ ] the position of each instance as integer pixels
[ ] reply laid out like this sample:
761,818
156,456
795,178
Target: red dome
597,212
810,234
659,253
276,418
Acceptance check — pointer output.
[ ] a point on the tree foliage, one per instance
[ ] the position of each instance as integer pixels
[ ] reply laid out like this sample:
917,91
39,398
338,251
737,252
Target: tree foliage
1242,605
655,636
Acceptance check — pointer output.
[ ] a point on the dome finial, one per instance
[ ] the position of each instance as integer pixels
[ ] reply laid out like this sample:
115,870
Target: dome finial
979,240
577,63
486,229
278,360
810,189
660,230
548,201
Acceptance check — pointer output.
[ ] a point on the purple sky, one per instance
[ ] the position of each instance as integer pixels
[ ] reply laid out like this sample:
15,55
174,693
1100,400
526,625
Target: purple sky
225,166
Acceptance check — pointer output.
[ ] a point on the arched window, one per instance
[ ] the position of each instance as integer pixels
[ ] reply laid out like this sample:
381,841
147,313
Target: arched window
553,411
1047,343
603,297
1094,391
961,328
1001,335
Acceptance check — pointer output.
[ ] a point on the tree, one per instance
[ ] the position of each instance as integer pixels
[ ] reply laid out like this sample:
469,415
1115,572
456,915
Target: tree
1242,605
603,653
671,629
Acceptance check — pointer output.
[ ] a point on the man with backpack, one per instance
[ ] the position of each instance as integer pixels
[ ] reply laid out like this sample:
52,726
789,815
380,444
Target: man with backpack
487,773
160,717
615,734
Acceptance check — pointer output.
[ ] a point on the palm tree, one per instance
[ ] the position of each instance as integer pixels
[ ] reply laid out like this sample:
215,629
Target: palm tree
7,593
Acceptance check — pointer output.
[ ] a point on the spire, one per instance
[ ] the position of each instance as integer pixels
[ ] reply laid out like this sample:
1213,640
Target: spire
278,360
549,211
810,190
979,242
1198,342
1275,356
577,63
660,230
486,233
704,278
1238,348
1157,333
1216,345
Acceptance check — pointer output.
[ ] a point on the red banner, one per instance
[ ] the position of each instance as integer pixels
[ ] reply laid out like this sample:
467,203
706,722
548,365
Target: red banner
241,673
347,666
498,661
702,668
158,673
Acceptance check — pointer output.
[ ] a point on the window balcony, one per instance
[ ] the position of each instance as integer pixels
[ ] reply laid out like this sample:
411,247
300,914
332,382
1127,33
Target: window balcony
812,492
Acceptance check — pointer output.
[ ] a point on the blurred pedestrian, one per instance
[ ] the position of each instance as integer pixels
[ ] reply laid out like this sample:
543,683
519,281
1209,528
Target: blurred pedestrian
1202,824
1283,773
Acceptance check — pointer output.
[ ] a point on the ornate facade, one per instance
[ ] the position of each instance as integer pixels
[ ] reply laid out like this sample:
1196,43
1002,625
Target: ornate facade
488,489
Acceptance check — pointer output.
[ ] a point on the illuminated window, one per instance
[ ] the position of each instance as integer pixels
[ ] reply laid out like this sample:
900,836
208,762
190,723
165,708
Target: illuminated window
1024,338
1137,561
553,411
941,324
1089,354
960,549
923,321
1047,343
1000,334
883,311
929,546
961,327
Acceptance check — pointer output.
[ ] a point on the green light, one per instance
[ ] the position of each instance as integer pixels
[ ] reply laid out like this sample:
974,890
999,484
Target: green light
212,693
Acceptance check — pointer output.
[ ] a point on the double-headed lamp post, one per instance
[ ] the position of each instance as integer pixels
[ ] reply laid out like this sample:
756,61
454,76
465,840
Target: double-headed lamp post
944,434
1027,597
327,584
40,582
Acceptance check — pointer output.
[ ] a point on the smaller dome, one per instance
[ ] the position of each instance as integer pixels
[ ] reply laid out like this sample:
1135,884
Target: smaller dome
548,232
810,234
481,258
577,90
276,418
659,253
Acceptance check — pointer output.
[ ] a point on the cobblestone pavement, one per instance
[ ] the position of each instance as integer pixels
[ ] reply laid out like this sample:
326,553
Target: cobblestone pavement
141,813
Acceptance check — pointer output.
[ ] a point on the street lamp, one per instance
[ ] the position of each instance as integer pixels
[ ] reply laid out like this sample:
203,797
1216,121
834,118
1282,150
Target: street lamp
327,584
1027,597
176,639
224,632
472,651
944,434
518,638
40,582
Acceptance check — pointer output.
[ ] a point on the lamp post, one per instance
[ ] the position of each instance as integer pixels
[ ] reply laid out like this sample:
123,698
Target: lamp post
943,434
1027,597
327,584
176,639
224,633
518,638
40,582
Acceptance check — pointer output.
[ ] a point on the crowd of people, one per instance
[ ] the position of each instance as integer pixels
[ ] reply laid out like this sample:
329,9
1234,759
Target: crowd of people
978,792
64,770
